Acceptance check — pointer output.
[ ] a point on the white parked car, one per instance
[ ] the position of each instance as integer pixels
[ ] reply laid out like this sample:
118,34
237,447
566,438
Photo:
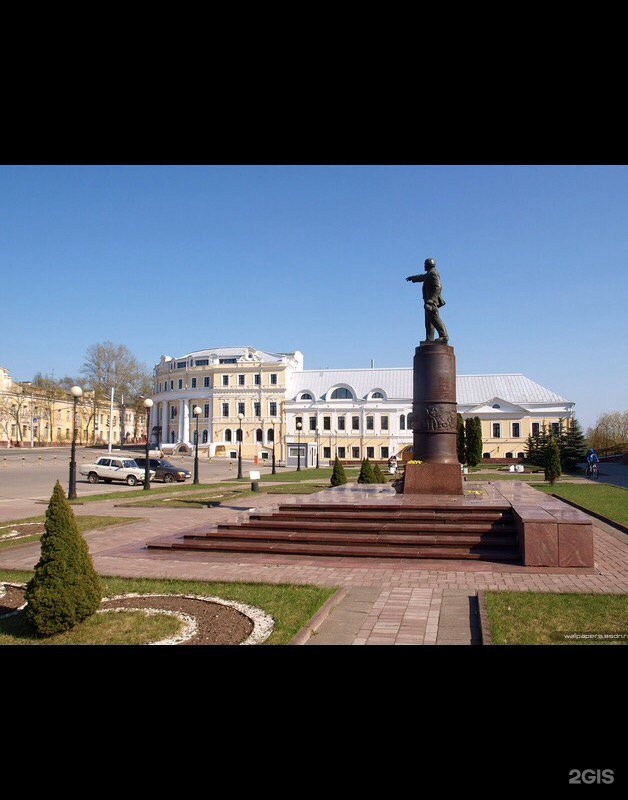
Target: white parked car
110,469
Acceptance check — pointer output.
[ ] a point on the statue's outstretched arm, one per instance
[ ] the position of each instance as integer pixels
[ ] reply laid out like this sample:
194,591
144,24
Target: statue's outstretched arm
416,278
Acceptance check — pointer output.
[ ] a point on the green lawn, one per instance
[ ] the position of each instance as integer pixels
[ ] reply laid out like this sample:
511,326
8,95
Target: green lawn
122,627
545,618
137,493
609,501
323,474
291,606
88,522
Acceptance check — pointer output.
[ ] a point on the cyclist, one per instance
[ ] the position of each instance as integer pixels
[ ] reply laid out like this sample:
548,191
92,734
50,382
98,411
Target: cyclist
592,459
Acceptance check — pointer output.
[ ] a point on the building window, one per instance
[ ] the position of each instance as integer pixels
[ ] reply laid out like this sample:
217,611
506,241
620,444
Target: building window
273,408
402,422
195,437
259,435
509,455
205,435
326,452
194,383
293,452
377,396
355,423
241,408
497,430
355,452
521,455
257,409
240,380
306,396
173,412
298,421
202,362
496,405
273,379
228,435
270,435
370,452
516,430
233,453
206,410
171,385
206,383
341,423
341,394
312,423
180,383
225,380
180,364
67,433
160,387
486,455
383,452
536,429
555,426
326,423
342,452
258,379
384,423
225,409
227,360
238,435
410,421
370,423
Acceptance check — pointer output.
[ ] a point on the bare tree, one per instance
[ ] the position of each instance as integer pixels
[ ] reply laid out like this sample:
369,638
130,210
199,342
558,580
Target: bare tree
49,392
112,366
610,430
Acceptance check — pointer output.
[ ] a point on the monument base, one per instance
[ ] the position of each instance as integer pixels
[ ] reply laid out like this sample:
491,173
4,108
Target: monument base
433,479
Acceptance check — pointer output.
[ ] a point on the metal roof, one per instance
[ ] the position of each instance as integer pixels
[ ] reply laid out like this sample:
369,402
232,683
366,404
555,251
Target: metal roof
235,352
397,385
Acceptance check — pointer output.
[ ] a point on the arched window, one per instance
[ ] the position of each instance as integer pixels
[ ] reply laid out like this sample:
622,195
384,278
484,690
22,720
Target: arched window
496,405
341,394
486,455
377,396
521,455
172,437
402,422
259,435
509,455
239,435
270,435
227,435
205,436
410,421
195,436
306,396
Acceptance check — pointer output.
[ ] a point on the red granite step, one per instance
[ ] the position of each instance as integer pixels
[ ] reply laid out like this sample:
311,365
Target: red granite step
357,524
399,514
319,549
460,539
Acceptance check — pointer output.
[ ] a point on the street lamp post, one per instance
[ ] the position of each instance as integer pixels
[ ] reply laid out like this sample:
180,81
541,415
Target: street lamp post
330,450
318,434
148,404
240,417
76,393
197,413
274,470
299,426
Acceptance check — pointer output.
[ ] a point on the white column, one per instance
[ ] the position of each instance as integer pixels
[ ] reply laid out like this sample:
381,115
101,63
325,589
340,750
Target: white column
164,421
186,420
154,419
180,434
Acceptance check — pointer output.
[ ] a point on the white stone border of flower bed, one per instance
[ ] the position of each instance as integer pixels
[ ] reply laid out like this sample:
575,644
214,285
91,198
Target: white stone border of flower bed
263,623
3,591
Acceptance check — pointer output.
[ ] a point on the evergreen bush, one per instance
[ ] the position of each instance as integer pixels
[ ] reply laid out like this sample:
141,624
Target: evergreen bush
366,472
462,457
378,474
552,462
338,475
473,439
65,588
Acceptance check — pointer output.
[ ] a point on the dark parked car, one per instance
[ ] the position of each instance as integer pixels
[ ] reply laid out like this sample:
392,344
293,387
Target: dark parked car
164,470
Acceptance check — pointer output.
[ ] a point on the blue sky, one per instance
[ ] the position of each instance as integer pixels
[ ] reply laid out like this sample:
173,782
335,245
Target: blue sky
170,259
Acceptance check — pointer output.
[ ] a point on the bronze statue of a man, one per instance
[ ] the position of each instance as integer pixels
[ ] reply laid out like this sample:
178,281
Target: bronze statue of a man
432,301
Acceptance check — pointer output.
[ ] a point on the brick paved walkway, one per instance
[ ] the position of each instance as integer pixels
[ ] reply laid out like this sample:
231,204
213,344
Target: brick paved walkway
400,601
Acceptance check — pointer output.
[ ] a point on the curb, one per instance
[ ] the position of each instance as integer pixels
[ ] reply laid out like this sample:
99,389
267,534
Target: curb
321,615
588,511
485,628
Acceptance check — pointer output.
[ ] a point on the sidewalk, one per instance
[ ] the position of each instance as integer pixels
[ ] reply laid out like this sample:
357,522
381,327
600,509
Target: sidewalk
388,601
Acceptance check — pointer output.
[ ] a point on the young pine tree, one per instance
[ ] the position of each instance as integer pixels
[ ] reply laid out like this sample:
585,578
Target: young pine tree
552,462
65,588
573,449
378,475
462,457
338,475
473,439
366,472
